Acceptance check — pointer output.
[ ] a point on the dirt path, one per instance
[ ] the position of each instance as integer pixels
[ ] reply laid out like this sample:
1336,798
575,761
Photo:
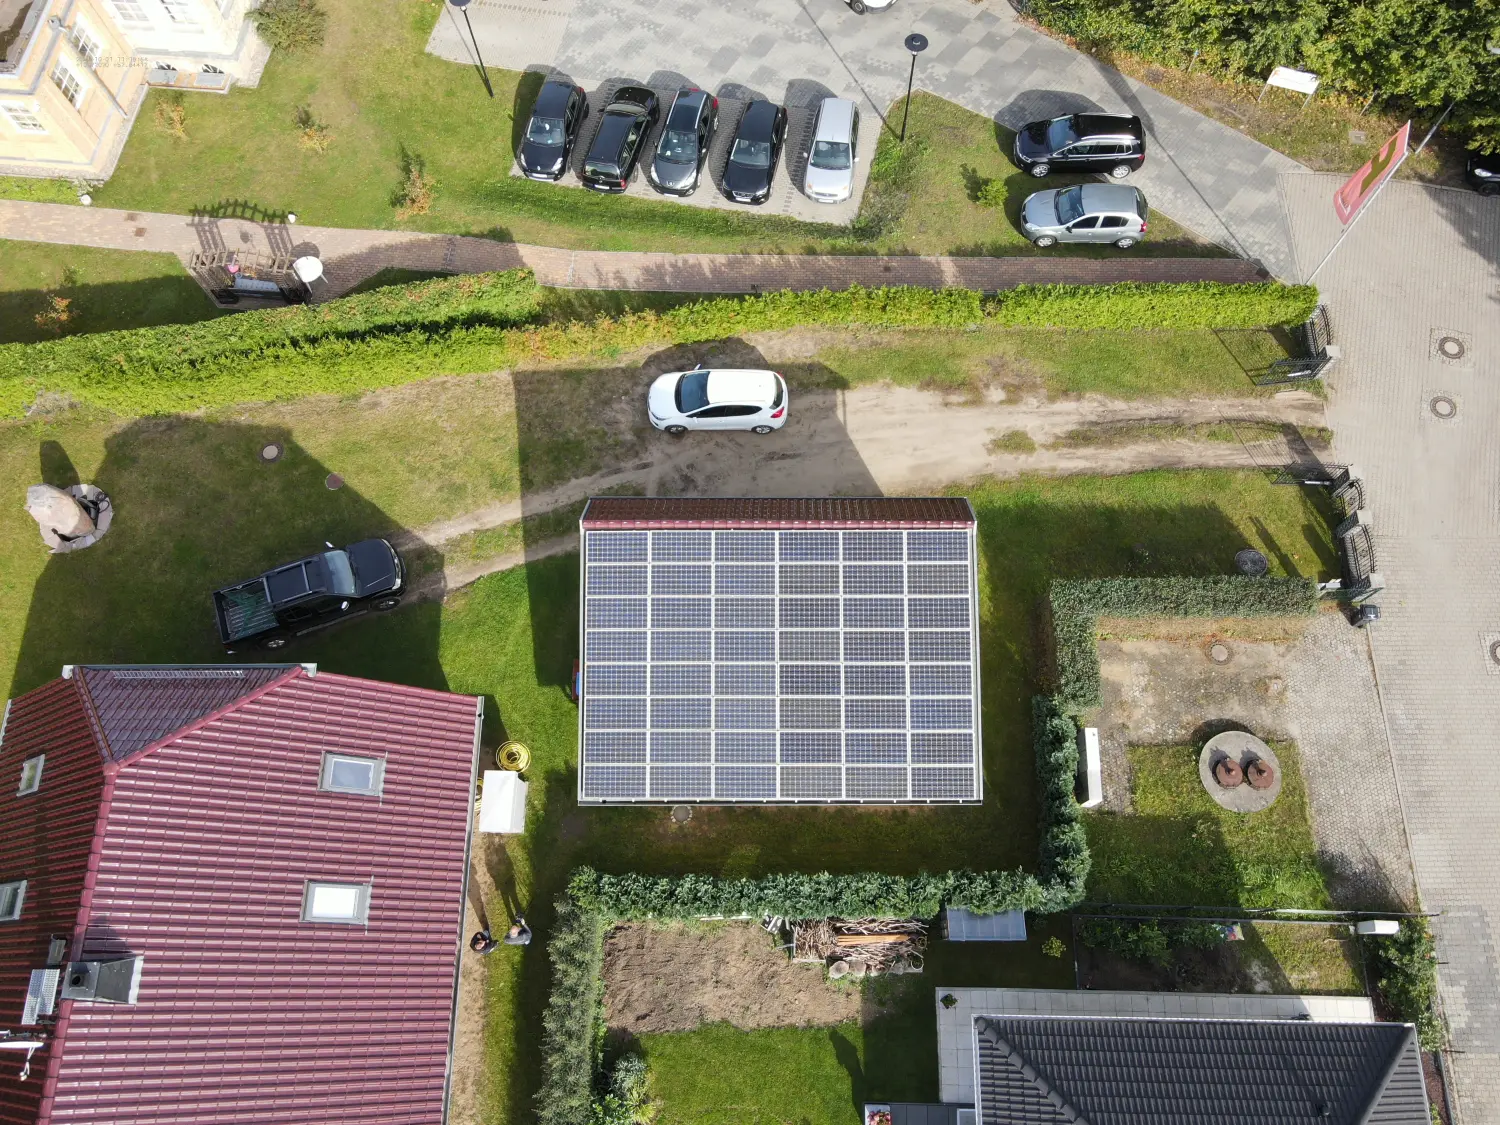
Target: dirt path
890,440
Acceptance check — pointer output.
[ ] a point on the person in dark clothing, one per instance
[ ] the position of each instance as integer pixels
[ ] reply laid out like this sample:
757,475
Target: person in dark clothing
519,932
483,943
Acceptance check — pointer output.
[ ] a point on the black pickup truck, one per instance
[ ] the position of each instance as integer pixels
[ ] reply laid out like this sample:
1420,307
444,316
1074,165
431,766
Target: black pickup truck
312,593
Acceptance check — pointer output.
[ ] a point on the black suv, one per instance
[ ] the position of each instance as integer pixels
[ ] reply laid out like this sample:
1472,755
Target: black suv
559,110
751,167
1082,142
684,142
623,126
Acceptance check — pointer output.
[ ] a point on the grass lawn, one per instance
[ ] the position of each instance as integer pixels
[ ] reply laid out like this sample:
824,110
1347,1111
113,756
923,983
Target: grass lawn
105,290
926,199
1179,847
395,108
195,509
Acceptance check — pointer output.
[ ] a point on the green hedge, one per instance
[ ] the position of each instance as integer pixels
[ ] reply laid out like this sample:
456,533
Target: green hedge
1077,606
570,1039
479,322
1405,968
1132,304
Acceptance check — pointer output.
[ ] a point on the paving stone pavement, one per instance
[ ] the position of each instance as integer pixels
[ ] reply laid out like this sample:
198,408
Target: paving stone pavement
1424,260
1207,176
351,256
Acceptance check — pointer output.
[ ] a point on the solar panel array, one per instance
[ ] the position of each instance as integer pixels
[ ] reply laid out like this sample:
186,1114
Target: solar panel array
753,666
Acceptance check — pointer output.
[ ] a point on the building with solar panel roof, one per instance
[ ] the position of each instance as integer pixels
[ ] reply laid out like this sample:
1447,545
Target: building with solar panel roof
756,651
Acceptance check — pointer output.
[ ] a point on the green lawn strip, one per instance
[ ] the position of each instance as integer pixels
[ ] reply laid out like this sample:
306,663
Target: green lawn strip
104,291
38,190
1109,434
1128,365
927,200
1178,847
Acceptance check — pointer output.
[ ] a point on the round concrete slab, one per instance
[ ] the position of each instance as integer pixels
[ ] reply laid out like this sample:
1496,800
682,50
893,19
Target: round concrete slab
1241,747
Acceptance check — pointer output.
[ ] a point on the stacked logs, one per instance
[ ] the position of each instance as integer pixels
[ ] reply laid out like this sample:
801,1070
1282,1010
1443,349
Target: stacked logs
858,947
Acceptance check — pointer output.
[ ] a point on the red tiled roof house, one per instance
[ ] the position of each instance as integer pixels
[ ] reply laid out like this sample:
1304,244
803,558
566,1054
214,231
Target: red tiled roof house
231,894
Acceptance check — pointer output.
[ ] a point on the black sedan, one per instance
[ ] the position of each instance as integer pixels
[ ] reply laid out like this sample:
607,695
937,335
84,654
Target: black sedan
559,110
754,152
685,140
1483,174
617,145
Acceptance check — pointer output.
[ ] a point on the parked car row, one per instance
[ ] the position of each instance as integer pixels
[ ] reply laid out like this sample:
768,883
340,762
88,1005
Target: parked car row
1114,144
676,165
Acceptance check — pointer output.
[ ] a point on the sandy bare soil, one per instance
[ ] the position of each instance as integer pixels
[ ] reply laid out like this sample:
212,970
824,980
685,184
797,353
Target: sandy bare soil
674,978
890,440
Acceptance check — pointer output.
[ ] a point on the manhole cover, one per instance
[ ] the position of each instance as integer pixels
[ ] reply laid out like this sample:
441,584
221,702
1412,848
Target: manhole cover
333,480
271,451
1251,562
1451,347
1219,652
1442,407
681,814
1358,136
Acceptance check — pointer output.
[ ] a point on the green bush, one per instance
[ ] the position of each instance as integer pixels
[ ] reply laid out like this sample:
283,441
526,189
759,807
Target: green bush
628,1099
1133,304
1405,968
291,25
571,1021
482,322
1077,606
1151,942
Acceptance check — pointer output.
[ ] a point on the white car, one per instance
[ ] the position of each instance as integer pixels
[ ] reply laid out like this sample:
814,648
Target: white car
702,399
835,152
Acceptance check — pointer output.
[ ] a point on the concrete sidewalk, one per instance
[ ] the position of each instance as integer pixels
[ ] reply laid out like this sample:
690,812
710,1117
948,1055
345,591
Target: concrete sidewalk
351,256
1205,175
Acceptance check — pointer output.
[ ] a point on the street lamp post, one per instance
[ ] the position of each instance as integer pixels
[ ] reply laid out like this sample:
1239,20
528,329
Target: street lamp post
916,43
463,6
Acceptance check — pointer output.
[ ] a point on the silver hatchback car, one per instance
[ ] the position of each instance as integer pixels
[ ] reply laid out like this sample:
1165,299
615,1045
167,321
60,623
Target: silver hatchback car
1112,213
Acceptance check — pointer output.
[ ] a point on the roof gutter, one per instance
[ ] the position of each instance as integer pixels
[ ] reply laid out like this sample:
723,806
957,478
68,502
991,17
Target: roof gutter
463,906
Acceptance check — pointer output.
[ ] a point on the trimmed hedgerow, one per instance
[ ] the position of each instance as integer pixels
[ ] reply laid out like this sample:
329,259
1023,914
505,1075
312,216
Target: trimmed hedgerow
480,322
1134,305
1406,978
1077,606
570,1039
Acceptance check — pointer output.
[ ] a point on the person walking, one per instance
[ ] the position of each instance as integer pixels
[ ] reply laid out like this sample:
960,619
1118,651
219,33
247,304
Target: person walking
519,932
483,943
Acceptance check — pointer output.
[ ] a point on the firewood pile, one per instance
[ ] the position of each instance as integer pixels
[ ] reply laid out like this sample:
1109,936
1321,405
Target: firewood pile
859,947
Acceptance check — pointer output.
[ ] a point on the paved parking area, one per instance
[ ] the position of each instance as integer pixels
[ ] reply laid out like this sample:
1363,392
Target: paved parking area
1207,176
1422,264
786,189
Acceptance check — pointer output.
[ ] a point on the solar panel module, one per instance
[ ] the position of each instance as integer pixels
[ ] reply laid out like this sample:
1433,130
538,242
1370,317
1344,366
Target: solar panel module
762,651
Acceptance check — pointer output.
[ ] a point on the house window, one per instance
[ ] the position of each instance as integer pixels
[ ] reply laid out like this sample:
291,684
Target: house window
336,902
349,773
69,83
131,11
179,11
23,119
11,897
31,775
87,43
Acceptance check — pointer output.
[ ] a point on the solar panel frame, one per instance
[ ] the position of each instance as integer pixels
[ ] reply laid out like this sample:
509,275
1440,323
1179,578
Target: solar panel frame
799,665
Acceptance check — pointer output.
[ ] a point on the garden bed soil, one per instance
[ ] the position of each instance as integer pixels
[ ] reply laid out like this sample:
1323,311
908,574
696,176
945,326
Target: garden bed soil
677,977
1280,959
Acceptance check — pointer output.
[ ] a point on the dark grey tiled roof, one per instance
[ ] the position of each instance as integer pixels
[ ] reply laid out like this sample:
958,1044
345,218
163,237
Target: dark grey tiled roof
1054,1070
134,707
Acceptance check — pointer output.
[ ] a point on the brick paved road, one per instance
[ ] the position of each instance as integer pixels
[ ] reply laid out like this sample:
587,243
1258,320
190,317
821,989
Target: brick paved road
1205,175
350,256
1426,261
